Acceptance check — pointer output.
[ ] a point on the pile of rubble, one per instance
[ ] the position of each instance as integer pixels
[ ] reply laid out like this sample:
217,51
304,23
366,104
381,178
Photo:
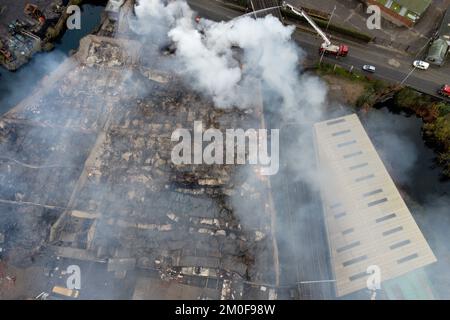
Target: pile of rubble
96,145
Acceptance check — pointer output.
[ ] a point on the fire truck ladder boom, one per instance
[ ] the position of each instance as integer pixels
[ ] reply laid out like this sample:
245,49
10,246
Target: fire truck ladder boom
302,13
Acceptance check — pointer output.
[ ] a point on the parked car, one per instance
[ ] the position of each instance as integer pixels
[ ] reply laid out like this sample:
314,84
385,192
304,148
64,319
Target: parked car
369,68
419,64
445,90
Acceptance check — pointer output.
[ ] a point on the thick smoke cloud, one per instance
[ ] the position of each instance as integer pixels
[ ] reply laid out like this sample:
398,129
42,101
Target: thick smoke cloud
267,59
16,85
391,140
155,19
209,60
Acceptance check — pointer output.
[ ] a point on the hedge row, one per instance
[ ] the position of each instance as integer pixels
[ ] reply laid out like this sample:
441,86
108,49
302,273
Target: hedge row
323,24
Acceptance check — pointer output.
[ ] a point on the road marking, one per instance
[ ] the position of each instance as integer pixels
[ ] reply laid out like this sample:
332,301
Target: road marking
394,63
350,16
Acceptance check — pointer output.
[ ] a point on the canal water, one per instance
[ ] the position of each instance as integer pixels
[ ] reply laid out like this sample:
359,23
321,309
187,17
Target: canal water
14,86
412,165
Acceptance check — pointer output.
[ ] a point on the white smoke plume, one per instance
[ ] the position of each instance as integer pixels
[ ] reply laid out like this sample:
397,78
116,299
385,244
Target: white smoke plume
205,48
268,58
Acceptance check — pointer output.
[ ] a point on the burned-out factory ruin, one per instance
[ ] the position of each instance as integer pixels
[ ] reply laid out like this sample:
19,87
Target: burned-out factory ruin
86,179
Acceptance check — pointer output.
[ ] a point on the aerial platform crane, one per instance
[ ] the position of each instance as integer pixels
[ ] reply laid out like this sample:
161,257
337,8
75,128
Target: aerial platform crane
327,47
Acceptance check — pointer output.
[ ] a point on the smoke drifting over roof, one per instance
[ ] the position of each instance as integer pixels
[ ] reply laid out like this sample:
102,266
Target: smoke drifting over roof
209,60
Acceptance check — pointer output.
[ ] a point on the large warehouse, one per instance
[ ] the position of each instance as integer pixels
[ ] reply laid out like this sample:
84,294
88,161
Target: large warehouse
368,223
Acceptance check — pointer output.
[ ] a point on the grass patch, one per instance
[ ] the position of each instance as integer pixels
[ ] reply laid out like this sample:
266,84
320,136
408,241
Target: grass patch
373,87
443,108
438,134
326,68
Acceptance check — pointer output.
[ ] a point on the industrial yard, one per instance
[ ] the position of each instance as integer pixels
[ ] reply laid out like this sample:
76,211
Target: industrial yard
27,28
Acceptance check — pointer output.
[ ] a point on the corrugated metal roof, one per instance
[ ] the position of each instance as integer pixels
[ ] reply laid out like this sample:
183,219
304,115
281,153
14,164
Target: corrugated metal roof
437,51
367,221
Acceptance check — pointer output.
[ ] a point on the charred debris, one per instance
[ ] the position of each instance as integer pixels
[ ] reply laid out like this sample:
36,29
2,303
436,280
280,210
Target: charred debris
86,179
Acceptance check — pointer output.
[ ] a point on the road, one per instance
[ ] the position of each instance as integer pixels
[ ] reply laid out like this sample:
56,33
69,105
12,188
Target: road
391,65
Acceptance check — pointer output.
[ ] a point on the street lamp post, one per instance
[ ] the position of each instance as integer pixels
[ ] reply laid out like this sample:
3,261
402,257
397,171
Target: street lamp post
424,46
253,8
407,76
331,16
328,24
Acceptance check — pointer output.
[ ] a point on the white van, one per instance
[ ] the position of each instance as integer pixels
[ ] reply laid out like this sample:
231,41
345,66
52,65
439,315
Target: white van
419,64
